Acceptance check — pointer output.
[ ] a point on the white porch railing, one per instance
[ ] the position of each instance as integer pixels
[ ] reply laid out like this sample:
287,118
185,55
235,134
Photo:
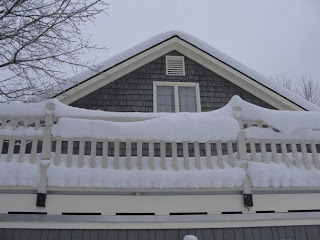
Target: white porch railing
30,139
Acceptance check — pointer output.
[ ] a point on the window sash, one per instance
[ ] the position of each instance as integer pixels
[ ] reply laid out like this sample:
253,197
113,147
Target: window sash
186,97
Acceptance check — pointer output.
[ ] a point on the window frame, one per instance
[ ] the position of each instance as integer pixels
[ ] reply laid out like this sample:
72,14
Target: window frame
175,86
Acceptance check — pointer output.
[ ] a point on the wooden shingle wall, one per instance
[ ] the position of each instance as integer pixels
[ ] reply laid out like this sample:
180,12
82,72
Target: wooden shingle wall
134,91
257,233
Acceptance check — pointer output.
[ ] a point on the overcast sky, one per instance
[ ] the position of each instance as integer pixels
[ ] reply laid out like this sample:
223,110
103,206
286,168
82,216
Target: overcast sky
273,37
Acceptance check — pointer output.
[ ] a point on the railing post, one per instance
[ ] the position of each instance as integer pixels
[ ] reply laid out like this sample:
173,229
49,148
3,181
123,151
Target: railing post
242,149
237,115
45,156
247,189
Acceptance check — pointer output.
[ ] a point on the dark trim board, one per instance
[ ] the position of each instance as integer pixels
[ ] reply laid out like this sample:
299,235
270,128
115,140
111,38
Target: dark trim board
257,233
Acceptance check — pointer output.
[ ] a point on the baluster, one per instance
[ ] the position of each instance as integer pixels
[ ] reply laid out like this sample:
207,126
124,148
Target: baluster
208,155
295,154
253,151
93,154
37,123
14,123
1,147
116,155
259,124
264,152
314,155
22,150
284,153
219,155
305,155
274,152
186,155
249,123
69,153
104,154
163,155
3,123
128,155
25,123
57,157
230,154
197,155
174,156
81,153
34,150
151,155
139,155
10,150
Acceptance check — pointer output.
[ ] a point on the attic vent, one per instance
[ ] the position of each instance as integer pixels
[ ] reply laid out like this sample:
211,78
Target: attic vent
175,65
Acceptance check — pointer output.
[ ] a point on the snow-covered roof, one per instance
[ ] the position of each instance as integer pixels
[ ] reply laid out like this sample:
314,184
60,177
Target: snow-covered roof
119,58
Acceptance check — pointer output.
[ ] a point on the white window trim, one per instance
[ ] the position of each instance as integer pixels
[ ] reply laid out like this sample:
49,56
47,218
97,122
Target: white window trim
176,93
179,58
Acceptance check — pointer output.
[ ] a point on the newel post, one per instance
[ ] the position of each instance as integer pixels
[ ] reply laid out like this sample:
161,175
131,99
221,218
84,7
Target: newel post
45,156
241,141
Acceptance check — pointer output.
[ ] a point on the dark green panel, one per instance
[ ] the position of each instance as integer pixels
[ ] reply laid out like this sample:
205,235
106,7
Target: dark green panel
290,233
123,234
152,234
65,234
182,233
238,234
312,232
207,233
25,234
53,234
94,234
247,233
133,234
144,234
86,234
218,234
266,233
281,232
300,232
160,234
44,234
103,234
77,234
199,234
256,233
172,234
228,234
35,234
112,234
16,234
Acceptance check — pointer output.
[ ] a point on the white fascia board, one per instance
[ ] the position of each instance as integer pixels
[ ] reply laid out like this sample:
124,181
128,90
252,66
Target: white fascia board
116,72
236,77
213,64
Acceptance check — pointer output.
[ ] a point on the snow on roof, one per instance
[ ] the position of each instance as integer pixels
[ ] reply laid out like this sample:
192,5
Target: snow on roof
113,61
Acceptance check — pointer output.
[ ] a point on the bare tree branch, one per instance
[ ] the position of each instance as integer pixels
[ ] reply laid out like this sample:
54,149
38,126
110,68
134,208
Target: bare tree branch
37,38
305,87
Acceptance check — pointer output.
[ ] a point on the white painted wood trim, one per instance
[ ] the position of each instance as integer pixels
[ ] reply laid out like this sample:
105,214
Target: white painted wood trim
187,50
176,85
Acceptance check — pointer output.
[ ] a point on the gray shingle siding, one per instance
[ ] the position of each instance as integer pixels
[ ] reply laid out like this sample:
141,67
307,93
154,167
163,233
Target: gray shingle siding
134,91
256,233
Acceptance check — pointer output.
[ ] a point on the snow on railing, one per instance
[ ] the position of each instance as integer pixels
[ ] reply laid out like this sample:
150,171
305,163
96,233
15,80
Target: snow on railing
222,139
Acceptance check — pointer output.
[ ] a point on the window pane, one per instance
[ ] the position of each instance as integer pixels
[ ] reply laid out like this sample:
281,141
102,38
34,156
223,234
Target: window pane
165,99
187,99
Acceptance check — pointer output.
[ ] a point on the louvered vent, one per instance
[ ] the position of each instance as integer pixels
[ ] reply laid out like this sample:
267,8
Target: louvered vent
175,65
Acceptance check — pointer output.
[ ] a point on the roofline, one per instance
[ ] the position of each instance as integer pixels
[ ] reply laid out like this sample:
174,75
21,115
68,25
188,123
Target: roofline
182,39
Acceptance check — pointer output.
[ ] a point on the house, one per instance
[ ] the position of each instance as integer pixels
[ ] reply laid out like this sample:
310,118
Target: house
225,167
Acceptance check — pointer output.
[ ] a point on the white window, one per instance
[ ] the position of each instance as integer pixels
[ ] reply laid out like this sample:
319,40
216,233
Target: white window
175,66
176,97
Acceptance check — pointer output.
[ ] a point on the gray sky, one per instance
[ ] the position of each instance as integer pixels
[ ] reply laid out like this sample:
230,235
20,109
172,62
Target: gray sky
273,37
